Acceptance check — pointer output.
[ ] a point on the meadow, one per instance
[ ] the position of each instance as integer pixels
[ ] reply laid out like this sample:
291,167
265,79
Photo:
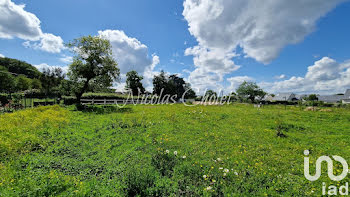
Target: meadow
168,150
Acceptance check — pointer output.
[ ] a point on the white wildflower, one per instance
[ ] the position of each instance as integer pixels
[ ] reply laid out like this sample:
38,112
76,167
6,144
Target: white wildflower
175,153
204,176
236,173
167,151
221,168
226,170
225,174
219,159
209,188
184,157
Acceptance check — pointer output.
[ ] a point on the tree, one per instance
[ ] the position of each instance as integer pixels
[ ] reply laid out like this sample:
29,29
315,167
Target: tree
160,83
176,86
93,63
133,82
22,83
7,80
312,97
172,85
36,84
232,97
190,93
19,67
51,79
250,91
210,93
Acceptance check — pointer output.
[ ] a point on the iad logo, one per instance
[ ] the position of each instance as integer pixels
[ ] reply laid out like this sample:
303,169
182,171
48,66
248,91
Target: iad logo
329,162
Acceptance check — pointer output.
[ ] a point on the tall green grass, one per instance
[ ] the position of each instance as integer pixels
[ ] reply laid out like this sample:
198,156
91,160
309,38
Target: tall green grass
168,150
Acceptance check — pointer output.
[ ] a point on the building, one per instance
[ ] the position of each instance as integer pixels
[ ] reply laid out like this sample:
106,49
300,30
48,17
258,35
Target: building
283,97
335,98
346,101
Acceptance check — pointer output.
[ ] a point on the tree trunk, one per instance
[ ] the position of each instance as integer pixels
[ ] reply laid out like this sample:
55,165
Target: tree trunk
80,94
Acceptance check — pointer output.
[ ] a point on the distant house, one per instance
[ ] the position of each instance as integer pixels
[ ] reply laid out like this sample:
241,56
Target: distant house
346,101
302,97
335,98
283,97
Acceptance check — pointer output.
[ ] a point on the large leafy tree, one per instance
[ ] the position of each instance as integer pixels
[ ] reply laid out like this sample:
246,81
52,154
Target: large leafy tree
160,82
133,82
172,85
7,80
23,83
210,93
51,80
92,64
176,86
190,93
250,90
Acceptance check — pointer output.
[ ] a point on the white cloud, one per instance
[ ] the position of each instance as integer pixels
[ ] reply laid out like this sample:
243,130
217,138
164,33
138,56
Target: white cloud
236,81
282,76
42,66
48,43
323,70
15,22
51,43
212,60
1,55
201,80
131,54
211,66
66,59
186,71
260,28
325,76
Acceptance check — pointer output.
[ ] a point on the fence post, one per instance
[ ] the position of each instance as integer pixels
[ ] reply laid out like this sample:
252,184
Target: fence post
104,101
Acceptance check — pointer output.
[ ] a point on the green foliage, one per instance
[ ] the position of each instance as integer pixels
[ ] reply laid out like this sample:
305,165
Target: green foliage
312,97
7,80
36,84
19,67
23,83
172,85
133,83
250,91
4,99
160,83
93,64
51,80
211,93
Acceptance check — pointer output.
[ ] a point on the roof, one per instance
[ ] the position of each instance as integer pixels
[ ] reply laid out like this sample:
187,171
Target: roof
331,98
283,97
347,93
301,96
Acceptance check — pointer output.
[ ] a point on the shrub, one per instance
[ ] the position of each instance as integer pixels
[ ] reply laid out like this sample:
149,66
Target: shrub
69,100
4,99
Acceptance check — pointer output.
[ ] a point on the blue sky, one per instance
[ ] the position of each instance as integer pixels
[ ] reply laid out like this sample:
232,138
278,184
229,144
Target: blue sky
284,46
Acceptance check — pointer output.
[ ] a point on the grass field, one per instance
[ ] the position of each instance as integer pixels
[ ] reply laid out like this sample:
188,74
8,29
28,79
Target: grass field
168,150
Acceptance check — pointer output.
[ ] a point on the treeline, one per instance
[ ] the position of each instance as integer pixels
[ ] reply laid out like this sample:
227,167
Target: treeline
94,70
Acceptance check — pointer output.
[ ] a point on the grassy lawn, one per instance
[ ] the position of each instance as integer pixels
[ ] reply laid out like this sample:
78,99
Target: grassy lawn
232,150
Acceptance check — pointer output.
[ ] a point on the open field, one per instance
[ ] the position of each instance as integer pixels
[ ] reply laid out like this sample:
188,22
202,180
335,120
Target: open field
219,150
